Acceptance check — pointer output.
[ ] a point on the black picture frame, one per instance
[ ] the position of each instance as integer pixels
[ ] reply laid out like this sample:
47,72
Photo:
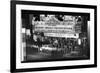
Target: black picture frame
13,36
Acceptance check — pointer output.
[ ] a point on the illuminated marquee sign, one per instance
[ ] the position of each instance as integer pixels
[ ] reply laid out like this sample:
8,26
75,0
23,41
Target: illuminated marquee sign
54,27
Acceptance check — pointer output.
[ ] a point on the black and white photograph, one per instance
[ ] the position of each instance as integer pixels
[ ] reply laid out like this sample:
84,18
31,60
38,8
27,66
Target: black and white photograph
52,36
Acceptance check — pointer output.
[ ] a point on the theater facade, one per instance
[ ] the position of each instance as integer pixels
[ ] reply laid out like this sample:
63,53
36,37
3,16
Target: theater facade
48,36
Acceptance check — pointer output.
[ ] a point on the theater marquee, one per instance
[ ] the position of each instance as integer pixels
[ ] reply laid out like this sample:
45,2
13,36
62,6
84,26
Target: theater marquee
55,28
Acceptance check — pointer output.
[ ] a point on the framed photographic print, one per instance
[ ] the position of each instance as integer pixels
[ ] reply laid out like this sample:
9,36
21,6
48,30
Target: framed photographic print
52,36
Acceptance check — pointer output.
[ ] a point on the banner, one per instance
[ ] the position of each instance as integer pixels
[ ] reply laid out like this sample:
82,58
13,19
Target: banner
62,35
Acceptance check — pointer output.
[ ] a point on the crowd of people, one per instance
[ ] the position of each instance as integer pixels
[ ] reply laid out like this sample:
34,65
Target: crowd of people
66,44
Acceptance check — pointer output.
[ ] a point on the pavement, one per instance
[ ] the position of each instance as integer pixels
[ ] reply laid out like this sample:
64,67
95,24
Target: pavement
49,56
